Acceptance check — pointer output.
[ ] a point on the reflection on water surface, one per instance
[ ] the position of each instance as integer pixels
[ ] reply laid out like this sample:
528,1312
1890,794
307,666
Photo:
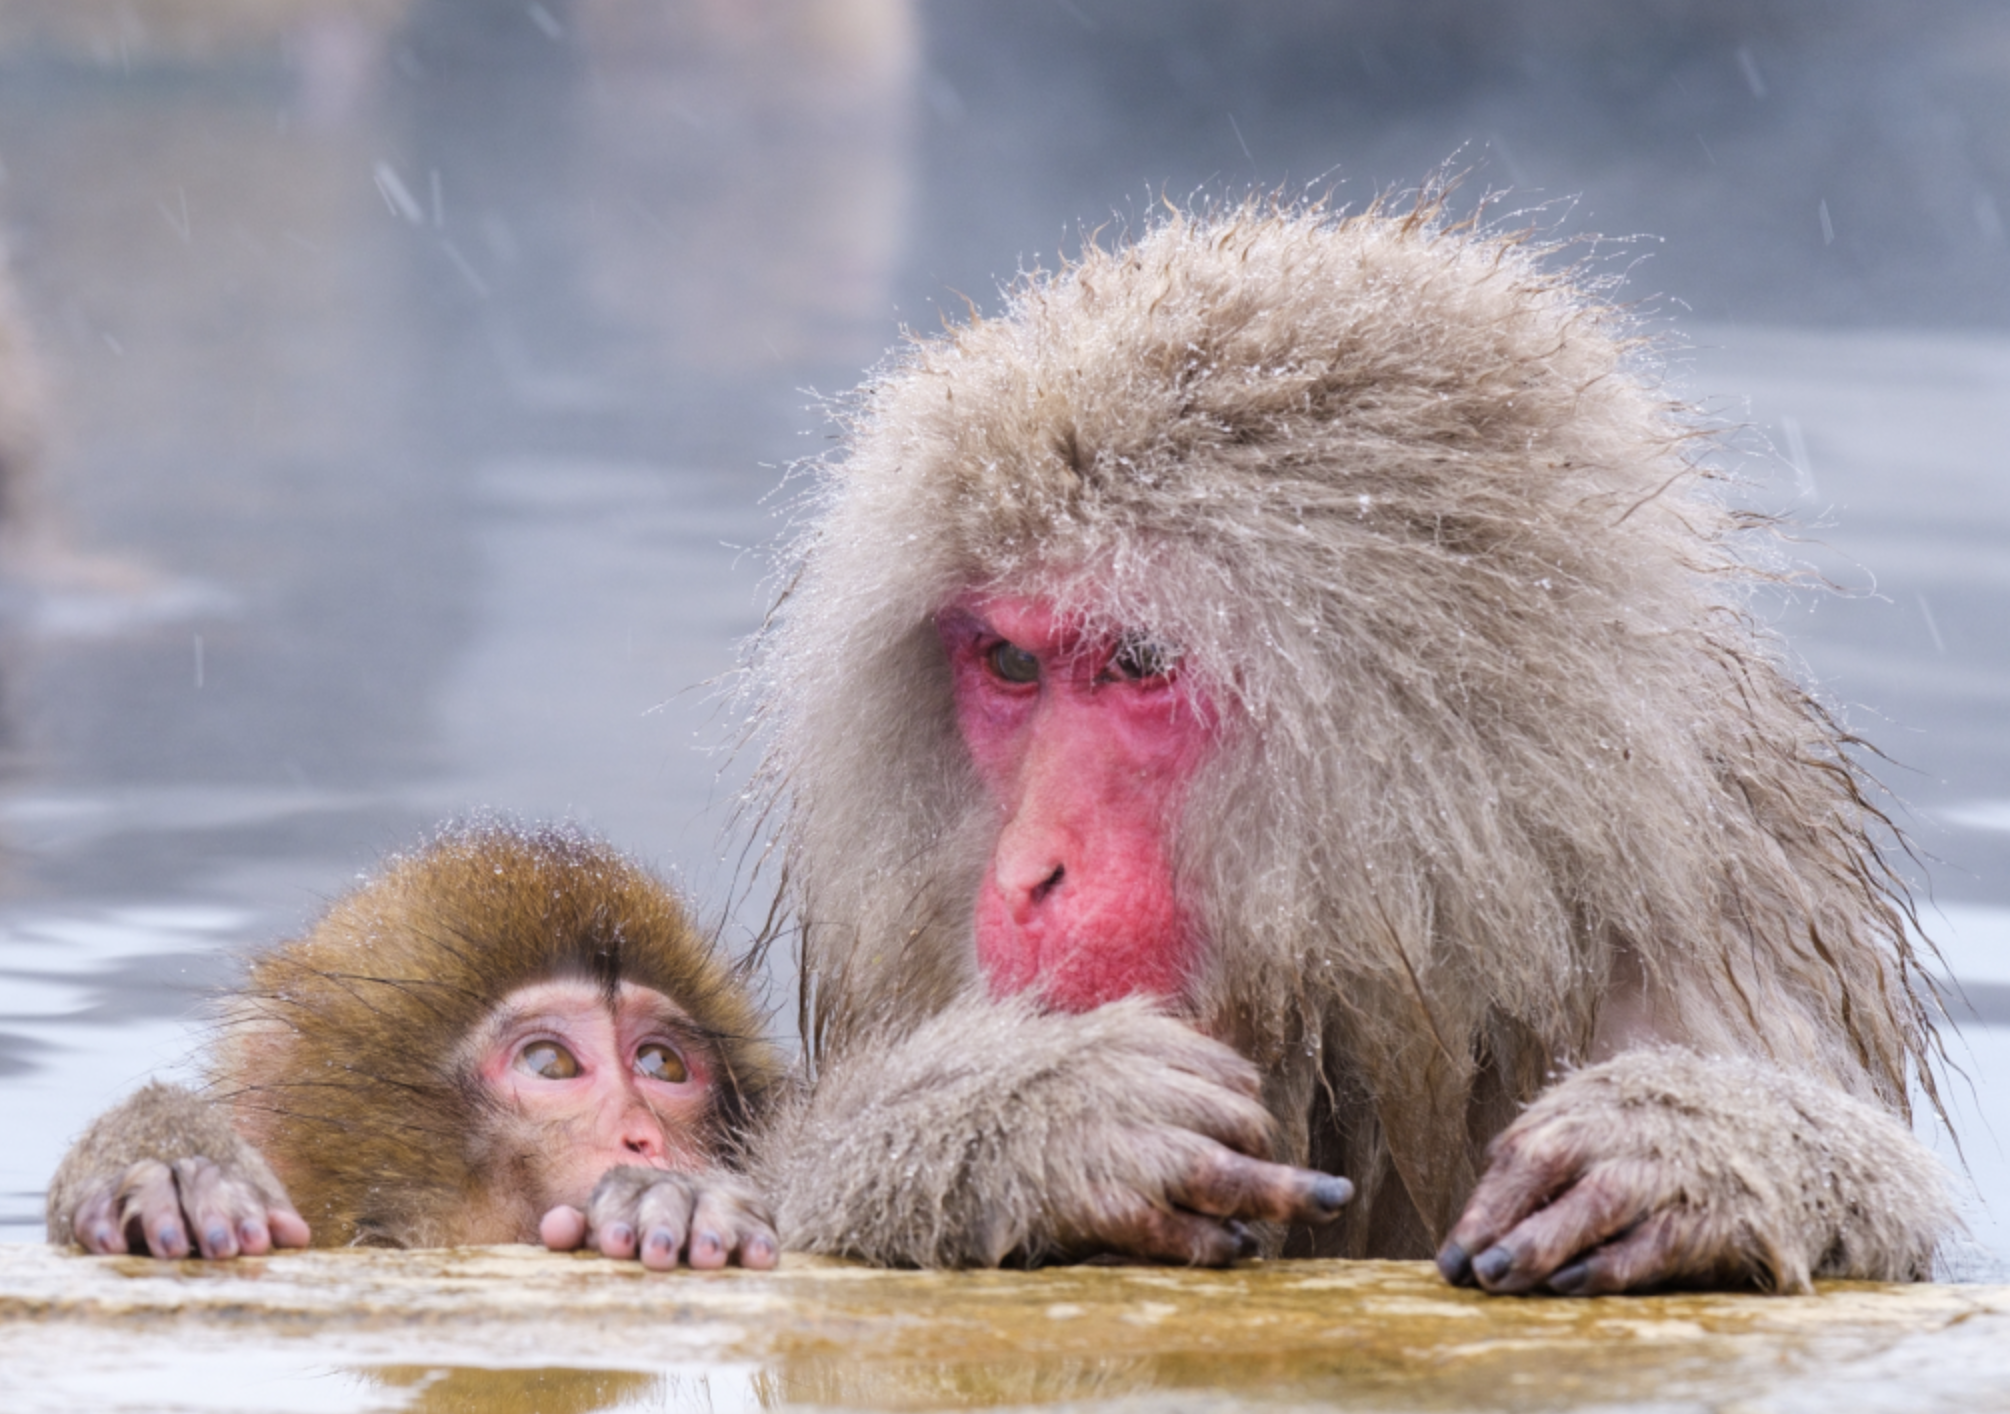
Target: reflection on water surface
510,1329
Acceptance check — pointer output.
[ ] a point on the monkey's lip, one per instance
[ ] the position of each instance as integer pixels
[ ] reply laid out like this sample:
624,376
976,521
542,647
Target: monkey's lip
1077,967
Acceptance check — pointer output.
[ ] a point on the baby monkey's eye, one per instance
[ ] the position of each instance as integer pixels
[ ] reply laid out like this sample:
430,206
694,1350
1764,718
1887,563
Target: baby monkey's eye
1139,657
1013,663
547,1060
658,1062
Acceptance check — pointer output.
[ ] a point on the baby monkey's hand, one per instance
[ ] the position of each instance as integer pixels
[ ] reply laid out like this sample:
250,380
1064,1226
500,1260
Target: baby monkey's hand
707,1219
190,1207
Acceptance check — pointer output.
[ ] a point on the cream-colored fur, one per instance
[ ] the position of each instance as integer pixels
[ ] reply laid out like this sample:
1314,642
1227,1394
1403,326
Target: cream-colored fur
1052,1115
1793,1175
1499,737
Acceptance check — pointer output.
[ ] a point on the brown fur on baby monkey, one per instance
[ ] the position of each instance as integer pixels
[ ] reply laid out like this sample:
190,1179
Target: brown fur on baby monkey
506,1035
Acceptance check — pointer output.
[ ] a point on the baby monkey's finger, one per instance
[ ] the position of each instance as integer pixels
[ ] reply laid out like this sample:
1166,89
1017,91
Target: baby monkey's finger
563,1229
150,1211
664,1216
97,1225
213,1205
731,1222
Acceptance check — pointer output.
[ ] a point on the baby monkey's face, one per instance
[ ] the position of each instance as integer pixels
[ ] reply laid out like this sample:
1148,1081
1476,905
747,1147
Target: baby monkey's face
599,1081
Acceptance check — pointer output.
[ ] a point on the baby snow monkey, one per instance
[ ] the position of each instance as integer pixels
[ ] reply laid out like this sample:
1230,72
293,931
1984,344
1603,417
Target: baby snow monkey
509,1035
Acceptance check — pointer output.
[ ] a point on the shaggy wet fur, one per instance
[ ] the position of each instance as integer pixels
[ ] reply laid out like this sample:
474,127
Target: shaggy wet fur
161,1123
341,1058
1065,1091
1499,739
1743,1156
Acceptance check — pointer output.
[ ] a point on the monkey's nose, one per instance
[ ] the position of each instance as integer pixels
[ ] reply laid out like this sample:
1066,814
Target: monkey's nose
644,1143
1029,866
1025,894
639,1135
1038,893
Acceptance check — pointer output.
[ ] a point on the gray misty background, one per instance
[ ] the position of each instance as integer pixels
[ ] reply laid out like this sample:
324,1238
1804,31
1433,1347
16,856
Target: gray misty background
422,373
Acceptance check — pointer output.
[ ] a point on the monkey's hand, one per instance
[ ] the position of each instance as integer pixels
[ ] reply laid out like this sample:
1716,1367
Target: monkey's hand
707,1219
1664,1168
162,1166
994,1131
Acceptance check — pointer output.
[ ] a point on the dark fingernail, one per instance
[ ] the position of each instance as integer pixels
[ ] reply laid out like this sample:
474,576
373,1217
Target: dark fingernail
1455,1265
661,1238
1244,1240
1493,1264
710,1241
758,1252
171,1238
102,1237
216,1238
251,1233
1331,1193
620,1234
1572,1280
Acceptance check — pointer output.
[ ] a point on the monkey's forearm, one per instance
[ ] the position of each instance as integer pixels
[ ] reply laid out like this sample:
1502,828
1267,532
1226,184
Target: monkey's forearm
1708,1169
995,1131
160,1123
933,1151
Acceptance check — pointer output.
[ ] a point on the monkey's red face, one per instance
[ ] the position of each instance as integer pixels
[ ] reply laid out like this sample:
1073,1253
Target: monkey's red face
1086,744
609,1085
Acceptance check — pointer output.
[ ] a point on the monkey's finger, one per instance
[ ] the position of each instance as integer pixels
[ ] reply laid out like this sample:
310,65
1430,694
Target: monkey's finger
563,1229
150,1210
1520,1178
614,1219
664,1216
96,1224
207,1204
1652,1254
1674,1247
1212,1062
284,1227
226,1212
760,1249
1225,1184
727,1224
231,1215
615,1196
1230,1118
1601,1203
616,1240
1132,1226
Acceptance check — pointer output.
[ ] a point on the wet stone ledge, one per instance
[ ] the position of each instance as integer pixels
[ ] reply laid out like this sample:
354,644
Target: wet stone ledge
517,1329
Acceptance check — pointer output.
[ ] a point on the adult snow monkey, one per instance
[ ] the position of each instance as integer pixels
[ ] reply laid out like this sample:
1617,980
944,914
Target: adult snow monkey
509,1035
1274,702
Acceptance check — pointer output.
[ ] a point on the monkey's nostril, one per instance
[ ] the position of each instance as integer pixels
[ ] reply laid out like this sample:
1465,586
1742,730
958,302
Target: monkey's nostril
1049,884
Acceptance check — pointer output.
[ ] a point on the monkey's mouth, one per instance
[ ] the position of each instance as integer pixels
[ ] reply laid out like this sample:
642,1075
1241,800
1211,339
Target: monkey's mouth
1077,961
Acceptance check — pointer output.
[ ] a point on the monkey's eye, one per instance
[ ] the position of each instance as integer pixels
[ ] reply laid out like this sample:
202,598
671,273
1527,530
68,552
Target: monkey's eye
658,1062
548,1061
1138,658
1013,663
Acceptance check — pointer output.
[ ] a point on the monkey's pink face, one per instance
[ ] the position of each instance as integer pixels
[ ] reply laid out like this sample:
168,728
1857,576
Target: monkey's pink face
1087,745
620,1084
